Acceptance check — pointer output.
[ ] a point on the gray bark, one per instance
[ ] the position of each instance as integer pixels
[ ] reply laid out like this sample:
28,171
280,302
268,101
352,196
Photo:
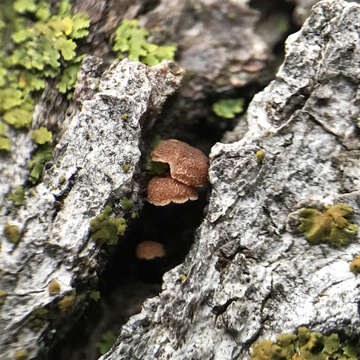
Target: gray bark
250,274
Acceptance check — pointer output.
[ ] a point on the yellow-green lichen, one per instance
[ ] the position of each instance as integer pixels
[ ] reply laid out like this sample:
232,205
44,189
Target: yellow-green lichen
329,226
126,168
38,319
108,340
5,144
106,228
17,196
21,355
54,288
305,345
41,155
260,155
2,297
12,233
42,136
126,204
95,295
66,303
355,264
131,40
38,43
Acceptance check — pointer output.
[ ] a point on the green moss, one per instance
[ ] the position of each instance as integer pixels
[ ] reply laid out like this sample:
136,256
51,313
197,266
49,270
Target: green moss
42,136
66,303
131,40
228,108
12,233
54,288
329,226
108,340
355,264
305,345
37,162
21,355
105,228
17,196
260,156
126,204
2,297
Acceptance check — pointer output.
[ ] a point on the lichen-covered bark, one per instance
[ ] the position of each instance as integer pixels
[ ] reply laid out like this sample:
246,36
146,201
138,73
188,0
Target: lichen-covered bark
86,172
251,274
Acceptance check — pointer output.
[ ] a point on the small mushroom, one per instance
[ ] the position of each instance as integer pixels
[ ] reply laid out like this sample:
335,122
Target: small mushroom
188,165
164,190
148,250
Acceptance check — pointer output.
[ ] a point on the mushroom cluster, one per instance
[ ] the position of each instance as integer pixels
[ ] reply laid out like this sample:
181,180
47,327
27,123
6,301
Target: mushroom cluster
188,170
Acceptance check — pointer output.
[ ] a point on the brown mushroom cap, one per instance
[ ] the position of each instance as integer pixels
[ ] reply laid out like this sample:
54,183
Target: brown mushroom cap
187,164
148,250
164,190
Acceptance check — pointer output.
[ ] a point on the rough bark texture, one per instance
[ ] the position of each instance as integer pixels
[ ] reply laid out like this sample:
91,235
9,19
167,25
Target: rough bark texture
250,274
87,171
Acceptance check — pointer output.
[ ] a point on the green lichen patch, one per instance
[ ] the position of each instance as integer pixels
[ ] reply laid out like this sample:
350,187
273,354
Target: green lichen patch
126,168
260,156
21,355
38,319
54,288
5,144
39,42
37,162
126,204
17,196
228,108
42,136
108,340
66,303
106,228
355,264
131,40
95,295
329,226
2,297
12,233
305,345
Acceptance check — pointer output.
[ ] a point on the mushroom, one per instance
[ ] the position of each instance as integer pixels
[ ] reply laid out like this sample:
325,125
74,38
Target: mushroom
164,190
188,165
148,250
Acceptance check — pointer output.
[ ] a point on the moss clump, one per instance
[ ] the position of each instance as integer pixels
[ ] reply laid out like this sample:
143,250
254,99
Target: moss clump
126,204
2,297
355,264
228,108
329,226
21,355
106,229
17,196
131,40
54,288
42,136
260,155
66,303
12,233
37,162
305,345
